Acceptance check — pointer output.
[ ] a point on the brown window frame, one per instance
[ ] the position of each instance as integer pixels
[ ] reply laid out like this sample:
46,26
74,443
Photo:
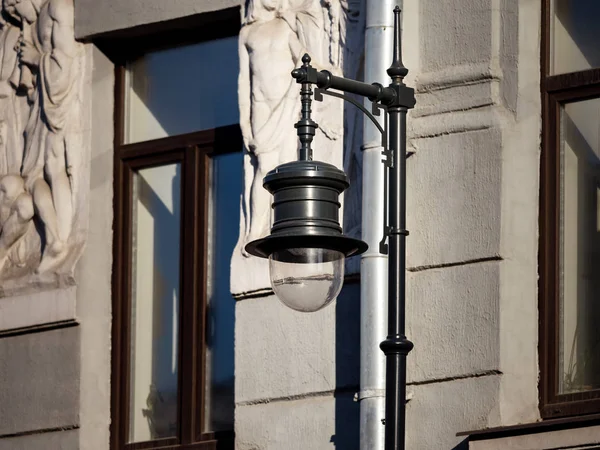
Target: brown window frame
556,90
193,151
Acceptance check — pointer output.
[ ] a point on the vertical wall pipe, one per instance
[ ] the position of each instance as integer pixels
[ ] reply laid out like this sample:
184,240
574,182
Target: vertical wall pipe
379,39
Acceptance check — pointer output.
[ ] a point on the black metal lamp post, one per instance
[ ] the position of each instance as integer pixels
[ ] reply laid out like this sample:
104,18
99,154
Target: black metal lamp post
306,248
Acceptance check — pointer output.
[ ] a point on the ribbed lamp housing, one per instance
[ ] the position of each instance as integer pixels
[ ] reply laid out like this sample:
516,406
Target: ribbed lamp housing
306,209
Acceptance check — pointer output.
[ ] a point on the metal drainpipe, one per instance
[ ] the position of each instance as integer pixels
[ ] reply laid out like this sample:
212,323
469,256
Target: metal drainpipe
379,40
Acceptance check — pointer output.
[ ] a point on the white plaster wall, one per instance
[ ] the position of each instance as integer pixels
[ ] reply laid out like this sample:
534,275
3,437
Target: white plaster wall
455,33
296,374
519,239
454,321
315,423
94,269
454,200
473,218
290,353
439,410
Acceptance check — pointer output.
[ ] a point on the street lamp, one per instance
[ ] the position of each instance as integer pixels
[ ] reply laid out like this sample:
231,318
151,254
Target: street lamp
306,246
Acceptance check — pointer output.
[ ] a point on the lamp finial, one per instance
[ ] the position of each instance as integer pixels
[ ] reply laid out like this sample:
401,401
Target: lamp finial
397,71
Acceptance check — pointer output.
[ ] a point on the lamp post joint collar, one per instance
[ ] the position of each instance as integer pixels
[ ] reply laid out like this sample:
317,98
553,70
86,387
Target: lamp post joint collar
306,126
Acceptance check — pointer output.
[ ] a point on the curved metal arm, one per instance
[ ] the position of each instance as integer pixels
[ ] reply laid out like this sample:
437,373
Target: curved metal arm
388,161
319,98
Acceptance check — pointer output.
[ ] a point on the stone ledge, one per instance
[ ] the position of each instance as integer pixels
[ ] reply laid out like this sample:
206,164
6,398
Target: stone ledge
572,432
457,121
37,309
40,381
94,18
459,75
64,439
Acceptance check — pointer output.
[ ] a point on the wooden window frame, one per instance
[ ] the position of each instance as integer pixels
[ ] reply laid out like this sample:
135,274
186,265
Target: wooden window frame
193,151
556,90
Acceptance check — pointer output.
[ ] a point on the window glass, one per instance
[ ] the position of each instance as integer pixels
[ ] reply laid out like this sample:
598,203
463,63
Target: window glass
575,35
155,303
182,90
226,189
579,347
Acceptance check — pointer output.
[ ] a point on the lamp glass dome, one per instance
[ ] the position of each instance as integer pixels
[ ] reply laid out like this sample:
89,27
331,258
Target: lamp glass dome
306,279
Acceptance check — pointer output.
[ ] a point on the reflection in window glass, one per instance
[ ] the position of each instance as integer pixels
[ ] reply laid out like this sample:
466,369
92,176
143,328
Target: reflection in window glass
181,90
155,303
579,347
224,222
575,35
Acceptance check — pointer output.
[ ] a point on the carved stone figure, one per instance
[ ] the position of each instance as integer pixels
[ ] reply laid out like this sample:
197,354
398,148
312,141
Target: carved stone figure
51,54
11,141
16,212
16,209
272,42
41,73
268,102
274,36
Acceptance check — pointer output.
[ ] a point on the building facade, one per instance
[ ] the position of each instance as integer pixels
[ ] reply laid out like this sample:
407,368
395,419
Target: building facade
134,136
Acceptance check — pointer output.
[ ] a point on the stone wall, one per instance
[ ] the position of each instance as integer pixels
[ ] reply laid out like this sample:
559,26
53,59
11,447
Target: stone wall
45,148
55,344
39,393
296,375
473,215
94,301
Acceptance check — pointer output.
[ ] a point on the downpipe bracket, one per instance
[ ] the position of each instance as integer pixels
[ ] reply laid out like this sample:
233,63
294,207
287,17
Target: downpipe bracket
369,393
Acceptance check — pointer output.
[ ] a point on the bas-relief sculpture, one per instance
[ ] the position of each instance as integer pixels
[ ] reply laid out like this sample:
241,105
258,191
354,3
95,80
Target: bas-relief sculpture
274,36
42,155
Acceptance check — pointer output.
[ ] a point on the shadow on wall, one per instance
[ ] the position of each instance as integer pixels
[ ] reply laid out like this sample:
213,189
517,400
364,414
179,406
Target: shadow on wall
347,357
578,45
162,108
464,445
347,354
155,294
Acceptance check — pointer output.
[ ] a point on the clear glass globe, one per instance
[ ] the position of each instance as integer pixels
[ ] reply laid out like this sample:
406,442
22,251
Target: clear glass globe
307,279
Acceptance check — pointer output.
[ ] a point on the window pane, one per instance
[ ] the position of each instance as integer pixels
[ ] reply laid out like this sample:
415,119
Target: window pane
224,222
579,349
182,90
155,303
575,35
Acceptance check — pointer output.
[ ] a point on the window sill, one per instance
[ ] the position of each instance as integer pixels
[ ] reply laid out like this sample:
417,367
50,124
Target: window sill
547,434
206,445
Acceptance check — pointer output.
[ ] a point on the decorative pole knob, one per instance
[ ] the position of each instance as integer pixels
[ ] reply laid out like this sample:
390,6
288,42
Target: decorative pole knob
397,71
